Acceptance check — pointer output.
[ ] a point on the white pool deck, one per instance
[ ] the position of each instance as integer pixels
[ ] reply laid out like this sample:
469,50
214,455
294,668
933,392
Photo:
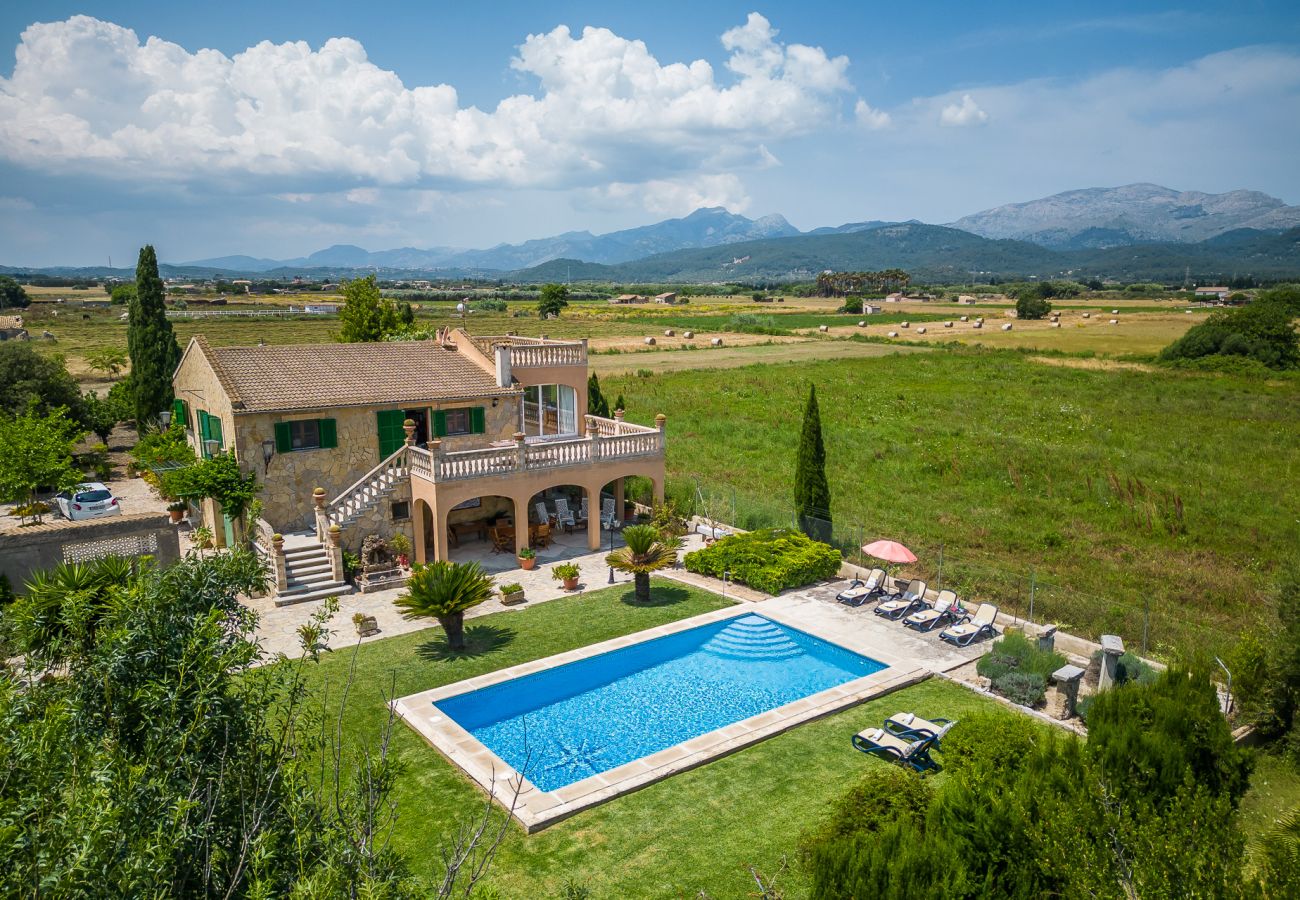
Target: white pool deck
911,657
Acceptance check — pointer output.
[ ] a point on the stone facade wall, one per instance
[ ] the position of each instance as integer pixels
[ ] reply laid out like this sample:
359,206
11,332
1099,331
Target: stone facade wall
197,384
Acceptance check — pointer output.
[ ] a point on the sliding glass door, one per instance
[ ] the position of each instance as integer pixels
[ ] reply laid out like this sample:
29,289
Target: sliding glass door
549,410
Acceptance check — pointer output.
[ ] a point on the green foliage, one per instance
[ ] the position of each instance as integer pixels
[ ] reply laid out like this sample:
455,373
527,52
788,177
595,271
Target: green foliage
769,560
1037,816
597,405
489,305
444,590
205,769
365,315
150,342
1265,662
405,314
513,587
102,416
881,797
645,550
1285,295
1015,651
36,452
554,297
1030,307
619,403
12,294
812,493
218,478
122,294
748,323
400,544
561,571
1262,331
1025,688
29,380
1279,853
161,446
109,360
1131,667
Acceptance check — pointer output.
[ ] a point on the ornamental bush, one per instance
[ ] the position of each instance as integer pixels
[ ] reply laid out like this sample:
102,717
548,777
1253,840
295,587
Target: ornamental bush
1024,688
769,560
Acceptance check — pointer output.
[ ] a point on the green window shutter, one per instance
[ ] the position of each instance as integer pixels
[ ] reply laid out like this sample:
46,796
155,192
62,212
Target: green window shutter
203,426
178,411
185,412
389,427
439,423
478,420
329,433
283,438
214,429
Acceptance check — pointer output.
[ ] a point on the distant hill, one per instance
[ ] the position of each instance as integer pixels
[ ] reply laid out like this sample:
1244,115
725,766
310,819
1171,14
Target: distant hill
1097,218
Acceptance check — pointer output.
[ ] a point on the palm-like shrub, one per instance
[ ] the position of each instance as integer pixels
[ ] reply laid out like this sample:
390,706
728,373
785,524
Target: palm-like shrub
646,551
445,590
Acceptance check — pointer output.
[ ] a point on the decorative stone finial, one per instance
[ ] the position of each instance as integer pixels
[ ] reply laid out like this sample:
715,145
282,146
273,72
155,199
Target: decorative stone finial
335,534
318,496
408,425
660,421
519,437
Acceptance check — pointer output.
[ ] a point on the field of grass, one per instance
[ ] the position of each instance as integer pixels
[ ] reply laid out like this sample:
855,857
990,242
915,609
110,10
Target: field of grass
697,830
1274,791
1115,488
729,357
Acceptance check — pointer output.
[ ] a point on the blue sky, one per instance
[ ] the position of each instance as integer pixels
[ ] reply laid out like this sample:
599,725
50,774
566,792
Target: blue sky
275,129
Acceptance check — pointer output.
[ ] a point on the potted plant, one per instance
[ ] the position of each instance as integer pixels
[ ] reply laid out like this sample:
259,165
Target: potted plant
512,593
400,544
202,538
176,510
366,625
527,558
567,573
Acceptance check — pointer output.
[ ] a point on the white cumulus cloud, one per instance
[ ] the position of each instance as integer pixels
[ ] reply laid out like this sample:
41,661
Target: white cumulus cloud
89,97
870,117
956,115
676,197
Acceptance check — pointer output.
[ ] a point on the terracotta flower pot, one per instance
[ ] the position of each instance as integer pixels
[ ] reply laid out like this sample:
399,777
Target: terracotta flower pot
571,584
178,515
529,563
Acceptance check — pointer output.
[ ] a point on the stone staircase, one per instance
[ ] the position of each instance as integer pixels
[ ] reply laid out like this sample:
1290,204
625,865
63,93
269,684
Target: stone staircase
308,566
372,487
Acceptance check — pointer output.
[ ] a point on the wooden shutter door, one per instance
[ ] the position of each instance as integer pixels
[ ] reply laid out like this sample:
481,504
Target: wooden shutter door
389,426
477,420
329,437
283,438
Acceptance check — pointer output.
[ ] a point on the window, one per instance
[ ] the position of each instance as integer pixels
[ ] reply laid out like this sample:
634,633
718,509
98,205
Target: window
305,434
401,509
550,409
457,421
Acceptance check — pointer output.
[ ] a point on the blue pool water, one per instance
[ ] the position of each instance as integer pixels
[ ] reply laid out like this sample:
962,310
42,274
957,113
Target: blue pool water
568,723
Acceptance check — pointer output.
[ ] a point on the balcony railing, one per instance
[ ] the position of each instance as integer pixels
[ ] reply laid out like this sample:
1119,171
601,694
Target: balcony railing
524,356
608,441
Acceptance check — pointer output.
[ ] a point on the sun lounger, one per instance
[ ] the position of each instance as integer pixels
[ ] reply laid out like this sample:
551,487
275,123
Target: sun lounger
972,627
939,614
905,752
911,725
564,515
912,599
860,591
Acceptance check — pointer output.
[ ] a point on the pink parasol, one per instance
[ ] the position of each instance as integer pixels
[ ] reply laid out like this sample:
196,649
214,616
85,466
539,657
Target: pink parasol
889,551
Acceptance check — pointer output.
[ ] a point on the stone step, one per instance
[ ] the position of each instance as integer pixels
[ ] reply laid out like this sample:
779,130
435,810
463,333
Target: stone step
308,568
301,595
306,553
310,579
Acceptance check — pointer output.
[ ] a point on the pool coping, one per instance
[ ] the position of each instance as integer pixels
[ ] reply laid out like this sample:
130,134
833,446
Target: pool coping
536,809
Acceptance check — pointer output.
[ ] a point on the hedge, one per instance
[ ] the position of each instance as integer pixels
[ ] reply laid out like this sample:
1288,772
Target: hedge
769,560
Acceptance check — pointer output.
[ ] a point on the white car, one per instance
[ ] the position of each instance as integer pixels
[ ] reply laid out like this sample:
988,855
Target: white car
91,500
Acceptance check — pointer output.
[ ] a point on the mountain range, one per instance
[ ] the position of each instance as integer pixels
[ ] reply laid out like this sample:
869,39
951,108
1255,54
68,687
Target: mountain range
1140,231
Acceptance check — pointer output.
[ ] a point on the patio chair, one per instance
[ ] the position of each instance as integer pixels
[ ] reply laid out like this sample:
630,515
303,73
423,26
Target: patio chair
911,725
543,517
607,518
583,514
542,535
564,515
941,613
912,599
860,591
502,541
971,627
906,752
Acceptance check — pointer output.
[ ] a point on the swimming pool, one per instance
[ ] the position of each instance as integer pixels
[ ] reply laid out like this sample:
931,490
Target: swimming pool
567,723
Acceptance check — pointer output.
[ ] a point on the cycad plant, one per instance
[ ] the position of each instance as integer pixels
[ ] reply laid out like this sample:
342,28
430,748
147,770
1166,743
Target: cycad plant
445,590
646,550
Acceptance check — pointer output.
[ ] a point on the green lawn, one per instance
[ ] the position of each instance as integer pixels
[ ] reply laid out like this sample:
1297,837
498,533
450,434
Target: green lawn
698,830
1274,791
1113,487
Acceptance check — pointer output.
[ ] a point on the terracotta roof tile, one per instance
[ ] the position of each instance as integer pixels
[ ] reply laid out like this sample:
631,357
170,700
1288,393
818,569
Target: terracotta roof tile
319,376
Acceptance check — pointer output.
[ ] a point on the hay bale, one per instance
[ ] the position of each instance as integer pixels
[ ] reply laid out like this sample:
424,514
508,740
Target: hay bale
1087,315
668,332
904,324
823,328
977,325
947,324
716,342
965,318
1114,312
893,334
920,331
1056,324
650,342
1114,321
688,334
1006,327
862,323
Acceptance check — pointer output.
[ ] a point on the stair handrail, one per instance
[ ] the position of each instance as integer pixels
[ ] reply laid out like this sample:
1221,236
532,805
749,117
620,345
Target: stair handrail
364,481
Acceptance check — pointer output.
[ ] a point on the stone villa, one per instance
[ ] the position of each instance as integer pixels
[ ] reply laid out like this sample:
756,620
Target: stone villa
439,440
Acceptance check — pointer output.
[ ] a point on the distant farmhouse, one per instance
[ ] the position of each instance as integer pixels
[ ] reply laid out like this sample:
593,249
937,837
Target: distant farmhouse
668,297
1212,294
629,298
11,329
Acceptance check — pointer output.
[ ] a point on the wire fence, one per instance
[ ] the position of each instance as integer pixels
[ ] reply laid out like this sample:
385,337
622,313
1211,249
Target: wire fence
1146,623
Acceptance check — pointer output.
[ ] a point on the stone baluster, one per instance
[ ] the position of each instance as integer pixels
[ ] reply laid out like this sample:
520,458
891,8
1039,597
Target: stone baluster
594,435
335,550
435,460
281,570
322,515
521,452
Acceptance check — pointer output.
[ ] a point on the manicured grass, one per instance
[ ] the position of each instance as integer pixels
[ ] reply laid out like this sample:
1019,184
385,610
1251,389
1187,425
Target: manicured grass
1013,466
697,830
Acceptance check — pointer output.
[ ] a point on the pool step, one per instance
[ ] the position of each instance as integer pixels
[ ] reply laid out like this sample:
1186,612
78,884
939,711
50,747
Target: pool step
753,638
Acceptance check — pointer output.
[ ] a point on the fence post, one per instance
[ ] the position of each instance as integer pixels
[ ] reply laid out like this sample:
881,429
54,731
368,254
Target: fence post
940,577
1032,587
1146,622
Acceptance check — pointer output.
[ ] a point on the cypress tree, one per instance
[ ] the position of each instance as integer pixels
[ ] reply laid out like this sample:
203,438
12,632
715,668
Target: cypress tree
150,343
618,403
597,405
812,496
